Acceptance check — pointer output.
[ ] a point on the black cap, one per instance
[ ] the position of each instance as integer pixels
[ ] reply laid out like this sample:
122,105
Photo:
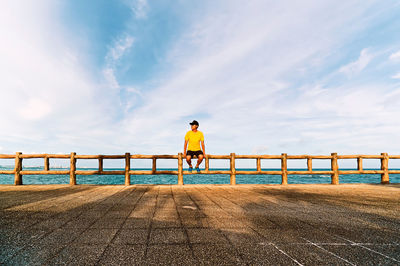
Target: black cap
194,123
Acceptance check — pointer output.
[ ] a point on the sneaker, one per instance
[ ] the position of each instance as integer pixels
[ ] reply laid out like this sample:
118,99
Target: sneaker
190,169
198,170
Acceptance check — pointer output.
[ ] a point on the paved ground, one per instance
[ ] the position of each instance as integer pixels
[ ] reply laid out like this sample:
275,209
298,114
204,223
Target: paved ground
200,224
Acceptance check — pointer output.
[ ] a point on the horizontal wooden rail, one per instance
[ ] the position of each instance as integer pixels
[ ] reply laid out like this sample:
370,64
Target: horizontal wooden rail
310,172
140,156
7,156
350,172
52,172
243,172
7,172
360,156
237,156
334,172
31,156
85,172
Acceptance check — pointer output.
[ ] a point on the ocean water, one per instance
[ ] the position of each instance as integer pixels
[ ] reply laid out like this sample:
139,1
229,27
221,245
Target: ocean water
192,179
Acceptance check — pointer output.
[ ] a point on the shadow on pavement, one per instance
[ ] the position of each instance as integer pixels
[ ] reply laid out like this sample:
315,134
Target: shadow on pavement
197,225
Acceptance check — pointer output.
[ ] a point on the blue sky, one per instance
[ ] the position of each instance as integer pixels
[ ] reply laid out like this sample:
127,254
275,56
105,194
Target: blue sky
261,77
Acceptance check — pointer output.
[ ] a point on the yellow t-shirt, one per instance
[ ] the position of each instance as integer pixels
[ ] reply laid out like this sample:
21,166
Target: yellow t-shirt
194,139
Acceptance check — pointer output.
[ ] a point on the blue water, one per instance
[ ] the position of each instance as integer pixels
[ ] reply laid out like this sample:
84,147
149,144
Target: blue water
191,179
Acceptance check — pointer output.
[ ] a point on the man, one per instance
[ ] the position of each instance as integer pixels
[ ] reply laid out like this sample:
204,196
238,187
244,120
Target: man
194,137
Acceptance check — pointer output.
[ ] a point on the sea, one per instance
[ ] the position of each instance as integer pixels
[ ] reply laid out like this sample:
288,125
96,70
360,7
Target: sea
193,178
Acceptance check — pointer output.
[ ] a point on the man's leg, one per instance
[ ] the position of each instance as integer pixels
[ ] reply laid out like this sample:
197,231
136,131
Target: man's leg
189,160
199,160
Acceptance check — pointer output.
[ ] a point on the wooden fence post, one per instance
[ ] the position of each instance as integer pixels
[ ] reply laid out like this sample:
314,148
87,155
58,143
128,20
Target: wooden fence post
72,169
180,169
335,169
359,164
284,169
18,168
385,168
258,164
101,164
154,167
309,164
127,168
233,169
46,163
207,167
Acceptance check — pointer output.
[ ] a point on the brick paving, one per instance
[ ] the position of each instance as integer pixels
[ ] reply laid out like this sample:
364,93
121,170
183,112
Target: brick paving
200,224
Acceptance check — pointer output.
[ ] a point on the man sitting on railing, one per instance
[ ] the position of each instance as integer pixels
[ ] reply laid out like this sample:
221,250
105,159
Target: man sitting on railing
194,137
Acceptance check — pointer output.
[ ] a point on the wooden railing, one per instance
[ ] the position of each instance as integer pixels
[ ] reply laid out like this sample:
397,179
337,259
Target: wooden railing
284,172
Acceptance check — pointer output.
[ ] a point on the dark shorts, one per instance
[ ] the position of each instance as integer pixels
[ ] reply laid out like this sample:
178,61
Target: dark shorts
194,153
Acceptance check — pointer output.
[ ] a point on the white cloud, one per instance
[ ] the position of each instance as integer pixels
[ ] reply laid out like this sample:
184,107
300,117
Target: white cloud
119,48
44,84
359,65
395,56
139,8
35,108
114,54
113,57
396,76
134,90
259,150
110,78
234,68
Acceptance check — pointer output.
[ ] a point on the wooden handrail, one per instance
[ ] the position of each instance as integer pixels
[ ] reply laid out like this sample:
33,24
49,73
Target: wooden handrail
284,172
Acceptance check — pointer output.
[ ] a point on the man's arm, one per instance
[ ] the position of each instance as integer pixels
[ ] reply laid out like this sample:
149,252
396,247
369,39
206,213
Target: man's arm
204,148
184,148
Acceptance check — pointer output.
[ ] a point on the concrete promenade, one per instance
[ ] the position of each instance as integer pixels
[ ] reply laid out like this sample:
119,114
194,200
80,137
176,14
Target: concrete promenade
200,224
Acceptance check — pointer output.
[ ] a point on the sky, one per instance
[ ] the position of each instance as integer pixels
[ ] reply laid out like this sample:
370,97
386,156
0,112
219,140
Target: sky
261,77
